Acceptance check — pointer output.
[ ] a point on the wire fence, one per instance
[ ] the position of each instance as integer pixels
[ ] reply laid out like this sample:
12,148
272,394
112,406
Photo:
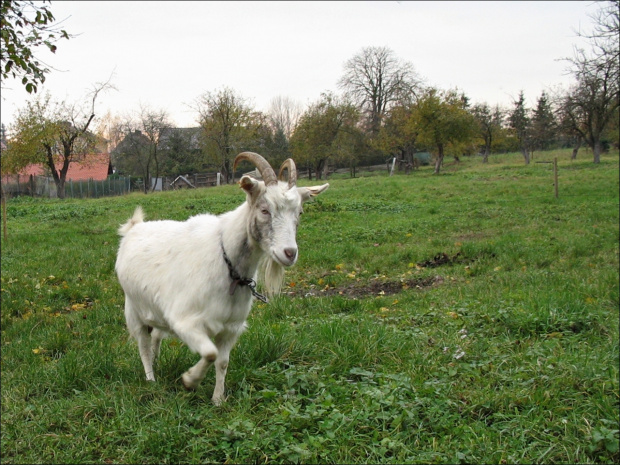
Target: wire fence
44,186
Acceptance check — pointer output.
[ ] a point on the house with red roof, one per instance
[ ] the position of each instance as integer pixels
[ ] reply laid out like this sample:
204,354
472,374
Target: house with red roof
95,166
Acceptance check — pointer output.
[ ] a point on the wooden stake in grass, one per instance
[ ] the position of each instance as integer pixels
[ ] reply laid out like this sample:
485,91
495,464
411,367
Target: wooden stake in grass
555,176
4,229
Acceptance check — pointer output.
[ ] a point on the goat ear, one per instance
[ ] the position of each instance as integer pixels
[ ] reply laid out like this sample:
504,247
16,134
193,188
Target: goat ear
248,184
308,192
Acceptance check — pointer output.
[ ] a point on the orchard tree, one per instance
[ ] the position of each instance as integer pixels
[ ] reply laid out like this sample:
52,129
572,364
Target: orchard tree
591,105
443,123
54,134
520,121
489,125
327,129
229,126
398,134
375,79
27,26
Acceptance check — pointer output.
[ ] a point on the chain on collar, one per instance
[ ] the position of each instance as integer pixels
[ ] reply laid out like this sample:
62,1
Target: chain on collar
237,280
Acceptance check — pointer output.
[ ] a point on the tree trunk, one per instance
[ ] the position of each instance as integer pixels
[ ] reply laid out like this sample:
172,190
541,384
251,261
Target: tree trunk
318,169
485,157
526,155
576,148
60,188
597,151
439,160
154,184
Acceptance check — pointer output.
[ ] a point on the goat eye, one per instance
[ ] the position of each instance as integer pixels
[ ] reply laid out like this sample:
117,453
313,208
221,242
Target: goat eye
264,211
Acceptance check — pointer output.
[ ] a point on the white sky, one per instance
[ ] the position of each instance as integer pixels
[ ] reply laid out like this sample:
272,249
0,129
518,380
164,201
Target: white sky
166,54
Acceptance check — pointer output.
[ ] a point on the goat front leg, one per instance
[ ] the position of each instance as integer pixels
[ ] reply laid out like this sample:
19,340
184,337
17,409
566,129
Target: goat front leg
197,341
192,377
221,366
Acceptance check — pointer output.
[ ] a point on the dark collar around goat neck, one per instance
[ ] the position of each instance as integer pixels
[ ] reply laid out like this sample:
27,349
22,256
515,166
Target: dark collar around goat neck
237,280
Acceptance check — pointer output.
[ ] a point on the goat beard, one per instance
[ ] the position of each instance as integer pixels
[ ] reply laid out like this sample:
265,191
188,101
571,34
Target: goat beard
272,276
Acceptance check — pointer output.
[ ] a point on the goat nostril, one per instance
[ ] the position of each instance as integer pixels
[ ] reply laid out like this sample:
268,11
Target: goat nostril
290,253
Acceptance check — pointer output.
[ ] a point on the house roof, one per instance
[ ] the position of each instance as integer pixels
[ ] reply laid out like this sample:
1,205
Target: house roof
96,167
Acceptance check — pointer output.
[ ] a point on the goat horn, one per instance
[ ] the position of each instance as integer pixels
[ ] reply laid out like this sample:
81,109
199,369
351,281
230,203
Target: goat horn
264,168
292,172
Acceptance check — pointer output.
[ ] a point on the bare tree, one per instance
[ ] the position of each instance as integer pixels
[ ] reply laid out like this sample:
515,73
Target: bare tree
284,113
138,152
110,128
590,105
375,79
604,34
154,123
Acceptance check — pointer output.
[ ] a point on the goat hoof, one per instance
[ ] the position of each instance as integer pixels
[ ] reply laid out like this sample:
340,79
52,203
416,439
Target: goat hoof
187,384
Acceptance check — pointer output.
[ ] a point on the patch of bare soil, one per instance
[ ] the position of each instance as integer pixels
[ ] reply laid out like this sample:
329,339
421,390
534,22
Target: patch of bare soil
373,288
378,287
441,258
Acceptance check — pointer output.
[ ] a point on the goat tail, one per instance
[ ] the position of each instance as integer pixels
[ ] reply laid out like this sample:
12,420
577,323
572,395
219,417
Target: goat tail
138,217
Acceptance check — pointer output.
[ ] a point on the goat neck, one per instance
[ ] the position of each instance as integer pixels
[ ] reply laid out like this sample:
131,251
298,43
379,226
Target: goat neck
242,250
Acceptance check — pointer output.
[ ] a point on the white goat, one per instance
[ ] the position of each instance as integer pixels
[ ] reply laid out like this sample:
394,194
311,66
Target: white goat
195,279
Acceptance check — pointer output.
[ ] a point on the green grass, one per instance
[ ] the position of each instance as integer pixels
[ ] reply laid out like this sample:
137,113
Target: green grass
469,317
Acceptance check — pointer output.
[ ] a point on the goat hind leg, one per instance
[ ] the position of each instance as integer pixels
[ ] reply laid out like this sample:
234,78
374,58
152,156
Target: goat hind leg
146,352
142,333
156,337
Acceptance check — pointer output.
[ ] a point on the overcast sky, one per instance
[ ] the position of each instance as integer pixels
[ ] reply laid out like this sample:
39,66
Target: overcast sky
166,54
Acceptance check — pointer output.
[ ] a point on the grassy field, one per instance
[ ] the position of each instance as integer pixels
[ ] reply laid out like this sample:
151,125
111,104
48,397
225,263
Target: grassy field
469,317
